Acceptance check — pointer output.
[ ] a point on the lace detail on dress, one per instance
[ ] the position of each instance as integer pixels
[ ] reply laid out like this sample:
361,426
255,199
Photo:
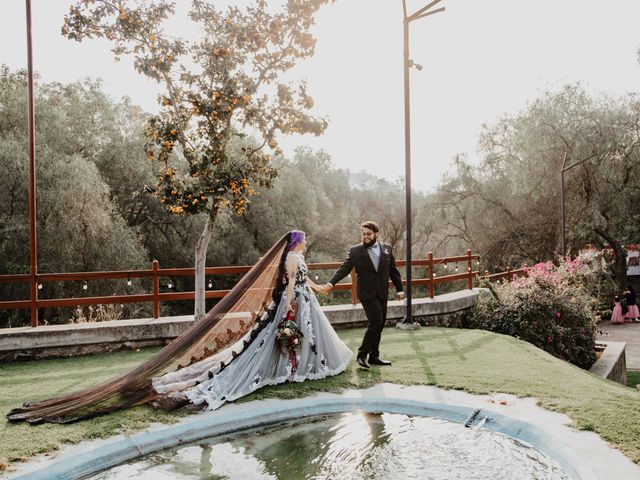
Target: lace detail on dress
300,286
301,272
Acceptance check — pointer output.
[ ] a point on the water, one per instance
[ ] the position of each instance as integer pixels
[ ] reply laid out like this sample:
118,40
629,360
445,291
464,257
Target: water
349,446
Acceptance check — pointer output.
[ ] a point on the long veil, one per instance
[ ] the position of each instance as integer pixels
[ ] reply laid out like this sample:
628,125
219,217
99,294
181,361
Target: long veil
228,321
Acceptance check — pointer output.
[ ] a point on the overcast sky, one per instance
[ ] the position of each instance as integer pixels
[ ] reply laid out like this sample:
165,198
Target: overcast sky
482,59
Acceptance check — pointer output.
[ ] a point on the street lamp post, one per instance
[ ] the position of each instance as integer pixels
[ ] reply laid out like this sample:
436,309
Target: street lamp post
33,259
562,208
425,11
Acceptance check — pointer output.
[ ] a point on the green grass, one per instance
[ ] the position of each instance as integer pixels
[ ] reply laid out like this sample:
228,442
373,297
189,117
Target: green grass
475,361
633,378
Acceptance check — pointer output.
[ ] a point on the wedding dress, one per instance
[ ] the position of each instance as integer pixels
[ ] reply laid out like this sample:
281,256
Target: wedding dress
257,360
225,355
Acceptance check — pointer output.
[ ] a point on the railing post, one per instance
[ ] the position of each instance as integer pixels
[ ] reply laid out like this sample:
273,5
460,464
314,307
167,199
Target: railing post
526,272
508,274
470,269
156,290
354,287
431,286
33,287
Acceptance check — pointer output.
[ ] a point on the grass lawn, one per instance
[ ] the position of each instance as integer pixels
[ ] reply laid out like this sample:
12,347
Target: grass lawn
472,360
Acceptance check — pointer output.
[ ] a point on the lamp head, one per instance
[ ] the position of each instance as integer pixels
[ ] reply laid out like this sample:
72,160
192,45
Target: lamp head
414,64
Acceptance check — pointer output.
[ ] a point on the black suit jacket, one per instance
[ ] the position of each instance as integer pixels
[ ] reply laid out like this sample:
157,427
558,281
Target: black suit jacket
371,284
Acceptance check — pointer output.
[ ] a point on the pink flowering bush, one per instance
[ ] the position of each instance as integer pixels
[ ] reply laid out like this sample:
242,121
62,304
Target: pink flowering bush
550,308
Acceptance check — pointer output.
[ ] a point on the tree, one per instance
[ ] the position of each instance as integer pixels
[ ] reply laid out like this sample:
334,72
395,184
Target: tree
501,209
509,204
216,88
78,226
325,210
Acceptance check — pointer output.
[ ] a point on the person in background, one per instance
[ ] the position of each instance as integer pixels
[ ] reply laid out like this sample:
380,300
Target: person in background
617,316
633,314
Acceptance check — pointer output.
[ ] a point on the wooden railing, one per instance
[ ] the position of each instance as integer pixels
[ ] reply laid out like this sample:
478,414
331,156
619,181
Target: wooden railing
430,279
506,276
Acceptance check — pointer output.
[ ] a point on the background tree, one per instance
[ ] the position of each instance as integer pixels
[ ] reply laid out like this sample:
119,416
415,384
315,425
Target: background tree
79,228
217,88
509,206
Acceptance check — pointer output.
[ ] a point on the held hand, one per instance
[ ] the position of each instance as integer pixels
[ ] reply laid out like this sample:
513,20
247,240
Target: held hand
400,296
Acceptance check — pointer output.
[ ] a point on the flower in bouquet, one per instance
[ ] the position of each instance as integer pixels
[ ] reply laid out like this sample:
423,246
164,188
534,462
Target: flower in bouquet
288,336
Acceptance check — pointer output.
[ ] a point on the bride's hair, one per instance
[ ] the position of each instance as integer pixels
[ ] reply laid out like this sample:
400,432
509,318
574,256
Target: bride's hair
296,237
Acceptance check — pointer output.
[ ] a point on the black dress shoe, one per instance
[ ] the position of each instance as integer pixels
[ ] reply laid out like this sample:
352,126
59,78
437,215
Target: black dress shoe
378,361
363,363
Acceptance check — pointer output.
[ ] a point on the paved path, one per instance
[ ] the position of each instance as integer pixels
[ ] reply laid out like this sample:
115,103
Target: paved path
628,333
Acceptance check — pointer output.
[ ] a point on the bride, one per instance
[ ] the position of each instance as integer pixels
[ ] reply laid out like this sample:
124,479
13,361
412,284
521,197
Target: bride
228,354
223,377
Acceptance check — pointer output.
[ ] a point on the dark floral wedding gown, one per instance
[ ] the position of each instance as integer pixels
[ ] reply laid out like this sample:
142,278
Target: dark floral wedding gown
257,360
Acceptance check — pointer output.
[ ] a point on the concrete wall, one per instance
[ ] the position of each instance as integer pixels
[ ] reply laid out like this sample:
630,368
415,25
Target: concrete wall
612,363
87,338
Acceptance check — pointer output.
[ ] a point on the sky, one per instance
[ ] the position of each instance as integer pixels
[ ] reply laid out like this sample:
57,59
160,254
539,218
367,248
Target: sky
482,60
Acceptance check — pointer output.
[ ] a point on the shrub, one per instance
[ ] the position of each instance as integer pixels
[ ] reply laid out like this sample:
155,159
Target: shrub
549,308
101,313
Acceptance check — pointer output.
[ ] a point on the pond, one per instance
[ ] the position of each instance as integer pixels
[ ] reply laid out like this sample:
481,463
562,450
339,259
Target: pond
351,445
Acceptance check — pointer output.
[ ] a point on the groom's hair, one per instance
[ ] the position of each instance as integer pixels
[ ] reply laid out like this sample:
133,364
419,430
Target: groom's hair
371,225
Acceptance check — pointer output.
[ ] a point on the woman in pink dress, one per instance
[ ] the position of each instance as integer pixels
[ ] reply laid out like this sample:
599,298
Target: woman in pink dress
617,316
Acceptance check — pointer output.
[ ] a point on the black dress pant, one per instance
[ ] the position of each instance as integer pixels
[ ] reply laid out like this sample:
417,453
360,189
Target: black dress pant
376,312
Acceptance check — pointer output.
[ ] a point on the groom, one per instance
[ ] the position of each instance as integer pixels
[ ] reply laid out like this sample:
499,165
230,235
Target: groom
374,264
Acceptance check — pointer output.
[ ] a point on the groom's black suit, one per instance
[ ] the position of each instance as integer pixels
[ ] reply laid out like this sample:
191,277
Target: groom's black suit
373,290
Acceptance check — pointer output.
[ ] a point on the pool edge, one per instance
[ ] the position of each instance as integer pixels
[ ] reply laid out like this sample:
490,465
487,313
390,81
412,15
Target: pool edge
220,422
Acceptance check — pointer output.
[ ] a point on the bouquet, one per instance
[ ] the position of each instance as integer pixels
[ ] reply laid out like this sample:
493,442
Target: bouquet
289,336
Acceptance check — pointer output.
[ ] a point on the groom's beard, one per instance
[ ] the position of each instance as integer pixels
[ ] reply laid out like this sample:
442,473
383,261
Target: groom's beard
369,243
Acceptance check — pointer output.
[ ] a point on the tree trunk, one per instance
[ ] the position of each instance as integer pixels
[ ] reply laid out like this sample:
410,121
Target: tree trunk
619,263
201,261
601,227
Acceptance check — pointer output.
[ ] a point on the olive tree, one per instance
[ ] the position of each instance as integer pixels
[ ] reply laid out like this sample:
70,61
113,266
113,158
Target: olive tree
509,204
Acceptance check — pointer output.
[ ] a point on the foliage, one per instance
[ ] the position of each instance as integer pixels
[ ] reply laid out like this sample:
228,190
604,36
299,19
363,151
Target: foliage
310,195
100,313
214,95
79,226
549,308
508,206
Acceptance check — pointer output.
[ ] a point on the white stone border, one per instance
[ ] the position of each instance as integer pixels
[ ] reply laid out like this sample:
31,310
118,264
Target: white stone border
582,455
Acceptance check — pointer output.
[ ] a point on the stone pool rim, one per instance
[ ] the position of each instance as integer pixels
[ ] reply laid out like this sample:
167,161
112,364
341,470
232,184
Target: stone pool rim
110,455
